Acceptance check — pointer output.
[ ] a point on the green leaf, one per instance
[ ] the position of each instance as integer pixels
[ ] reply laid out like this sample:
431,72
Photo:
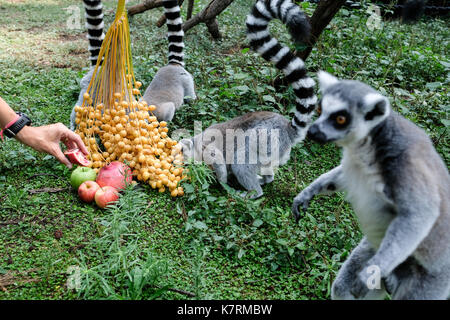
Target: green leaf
257,223
433,85
188,188
230,245
241,76
268,98
283,242
241,89
241,253
446,122
200,225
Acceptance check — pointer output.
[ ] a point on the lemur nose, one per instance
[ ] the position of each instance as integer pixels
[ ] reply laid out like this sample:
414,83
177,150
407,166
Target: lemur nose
315,134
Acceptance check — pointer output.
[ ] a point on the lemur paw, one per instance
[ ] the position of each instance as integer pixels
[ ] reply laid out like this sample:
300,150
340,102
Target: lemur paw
300,200
249,194
261,180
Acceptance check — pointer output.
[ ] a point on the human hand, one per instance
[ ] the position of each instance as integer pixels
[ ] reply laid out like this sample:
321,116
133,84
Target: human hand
47,138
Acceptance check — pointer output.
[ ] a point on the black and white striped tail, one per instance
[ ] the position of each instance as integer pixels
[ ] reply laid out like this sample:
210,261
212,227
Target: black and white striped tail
94,24
293,67
175,31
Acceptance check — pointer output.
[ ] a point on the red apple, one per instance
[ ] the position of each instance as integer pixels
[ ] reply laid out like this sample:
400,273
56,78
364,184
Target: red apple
116,174
106,195
87,191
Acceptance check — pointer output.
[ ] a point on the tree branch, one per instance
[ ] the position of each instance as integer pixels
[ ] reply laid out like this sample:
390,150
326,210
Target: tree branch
190,9
208,15
144,6
324,13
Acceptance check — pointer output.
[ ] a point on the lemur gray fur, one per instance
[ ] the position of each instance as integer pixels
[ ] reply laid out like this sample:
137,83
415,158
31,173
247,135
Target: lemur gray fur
274,134
399,188
172,84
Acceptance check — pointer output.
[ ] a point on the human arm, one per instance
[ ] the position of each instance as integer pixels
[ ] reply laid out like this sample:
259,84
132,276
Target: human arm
45,138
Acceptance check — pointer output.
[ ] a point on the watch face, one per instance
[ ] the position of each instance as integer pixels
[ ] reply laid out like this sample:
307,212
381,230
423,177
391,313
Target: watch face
28,120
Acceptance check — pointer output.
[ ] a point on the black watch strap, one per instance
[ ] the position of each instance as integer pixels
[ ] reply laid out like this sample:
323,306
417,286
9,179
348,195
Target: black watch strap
14,129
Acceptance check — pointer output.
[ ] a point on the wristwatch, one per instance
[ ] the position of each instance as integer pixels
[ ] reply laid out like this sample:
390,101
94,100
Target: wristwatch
14,129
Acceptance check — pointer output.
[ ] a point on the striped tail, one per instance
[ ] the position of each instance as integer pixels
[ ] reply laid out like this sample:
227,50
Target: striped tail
269,48
94,25
175,31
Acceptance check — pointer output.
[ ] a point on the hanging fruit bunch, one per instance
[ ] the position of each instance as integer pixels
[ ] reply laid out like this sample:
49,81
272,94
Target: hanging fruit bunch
117,125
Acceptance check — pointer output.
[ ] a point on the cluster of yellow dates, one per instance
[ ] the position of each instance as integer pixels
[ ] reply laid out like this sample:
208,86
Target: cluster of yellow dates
128,133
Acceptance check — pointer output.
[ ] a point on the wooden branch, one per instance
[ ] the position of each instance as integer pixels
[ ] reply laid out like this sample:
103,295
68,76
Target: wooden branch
208,15
144,6
161,21
49,190
190,9
187,293
213,28
324,13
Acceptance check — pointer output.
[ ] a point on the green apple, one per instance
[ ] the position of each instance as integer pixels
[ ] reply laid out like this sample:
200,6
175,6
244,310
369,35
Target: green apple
80,175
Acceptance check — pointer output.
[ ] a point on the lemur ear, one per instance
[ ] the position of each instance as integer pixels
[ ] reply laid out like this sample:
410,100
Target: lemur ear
375,105
326,80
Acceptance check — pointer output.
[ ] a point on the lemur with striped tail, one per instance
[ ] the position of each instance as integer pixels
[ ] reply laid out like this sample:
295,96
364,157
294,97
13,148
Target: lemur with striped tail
94,25
250,146
172,84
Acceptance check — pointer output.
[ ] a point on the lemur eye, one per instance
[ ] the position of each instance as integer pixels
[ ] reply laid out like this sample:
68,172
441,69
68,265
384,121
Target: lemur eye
319,110
341,120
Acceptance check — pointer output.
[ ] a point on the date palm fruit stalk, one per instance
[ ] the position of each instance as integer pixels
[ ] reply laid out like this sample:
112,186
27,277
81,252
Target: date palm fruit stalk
117,125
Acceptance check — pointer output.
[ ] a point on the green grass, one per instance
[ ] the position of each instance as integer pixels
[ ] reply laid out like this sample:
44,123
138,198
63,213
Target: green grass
209,242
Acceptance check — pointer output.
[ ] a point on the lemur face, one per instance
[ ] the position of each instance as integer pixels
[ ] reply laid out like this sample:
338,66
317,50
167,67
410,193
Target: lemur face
348,111
335,120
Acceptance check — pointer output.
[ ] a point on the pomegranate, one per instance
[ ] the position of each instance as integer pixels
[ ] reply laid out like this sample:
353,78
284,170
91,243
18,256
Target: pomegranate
116,174
77,157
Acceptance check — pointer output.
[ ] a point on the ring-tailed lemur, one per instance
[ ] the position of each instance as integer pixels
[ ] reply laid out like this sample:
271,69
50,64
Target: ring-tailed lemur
172,84
233,151
399,188
94,24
